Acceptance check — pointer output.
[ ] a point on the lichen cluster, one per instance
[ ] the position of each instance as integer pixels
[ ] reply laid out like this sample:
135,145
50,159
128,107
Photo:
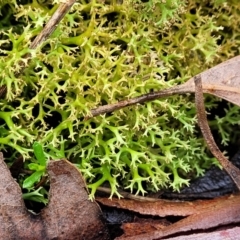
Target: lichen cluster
102,52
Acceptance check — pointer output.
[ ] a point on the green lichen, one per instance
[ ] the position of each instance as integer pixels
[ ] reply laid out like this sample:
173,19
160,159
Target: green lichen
102,52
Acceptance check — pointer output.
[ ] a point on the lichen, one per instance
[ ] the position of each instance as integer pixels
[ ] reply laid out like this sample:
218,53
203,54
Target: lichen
102,52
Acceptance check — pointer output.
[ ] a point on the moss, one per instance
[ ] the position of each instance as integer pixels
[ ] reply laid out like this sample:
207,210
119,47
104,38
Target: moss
104,51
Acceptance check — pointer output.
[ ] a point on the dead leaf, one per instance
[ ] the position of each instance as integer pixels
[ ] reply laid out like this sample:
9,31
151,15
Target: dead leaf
226,234
133,229
222,213
163,208
69,214
218,234
222,81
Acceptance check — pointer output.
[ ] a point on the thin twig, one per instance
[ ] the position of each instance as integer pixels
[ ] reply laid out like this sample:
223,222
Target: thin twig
52,23
233,171
180,89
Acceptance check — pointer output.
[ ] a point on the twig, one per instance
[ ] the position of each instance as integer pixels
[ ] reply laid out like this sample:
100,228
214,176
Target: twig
52,23
180,89
233,171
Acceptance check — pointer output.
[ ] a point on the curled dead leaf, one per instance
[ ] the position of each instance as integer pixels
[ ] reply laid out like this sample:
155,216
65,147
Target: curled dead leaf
69,214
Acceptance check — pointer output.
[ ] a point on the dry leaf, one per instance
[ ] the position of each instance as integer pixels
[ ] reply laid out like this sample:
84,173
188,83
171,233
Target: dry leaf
223,212
133,229
222,81
226,234
69,214
163,208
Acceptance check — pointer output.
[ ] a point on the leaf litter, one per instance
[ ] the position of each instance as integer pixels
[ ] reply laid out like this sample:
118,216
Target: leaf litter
69,214
222,81
61,219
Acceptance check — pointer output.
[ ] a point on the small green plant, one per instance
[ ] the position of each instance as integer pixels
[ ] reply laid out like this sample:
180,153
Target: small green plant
38,165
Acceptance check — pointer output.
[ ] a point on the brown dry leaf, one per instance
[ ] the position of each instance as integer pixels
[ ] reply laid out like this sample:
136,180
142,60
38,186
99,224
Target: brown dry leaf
163,208
222,81
226,234
223,213
133,229
69,214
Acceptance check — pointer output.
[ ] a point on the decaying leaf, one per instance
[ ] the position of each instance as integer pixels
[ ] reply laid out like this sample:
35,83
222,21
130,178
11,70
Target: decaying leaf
133,229
222,213
163,208
217,234
69,214
225,234
222,81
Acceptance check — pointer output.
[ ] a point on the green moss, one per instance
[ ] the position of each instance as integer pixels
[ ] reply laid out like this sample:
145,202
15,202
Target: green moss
102,52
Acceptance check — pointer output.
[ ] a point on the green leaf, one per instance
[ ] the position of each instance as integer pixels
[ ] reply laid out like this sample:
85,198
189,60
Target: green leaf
39,154
36,167
31,180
